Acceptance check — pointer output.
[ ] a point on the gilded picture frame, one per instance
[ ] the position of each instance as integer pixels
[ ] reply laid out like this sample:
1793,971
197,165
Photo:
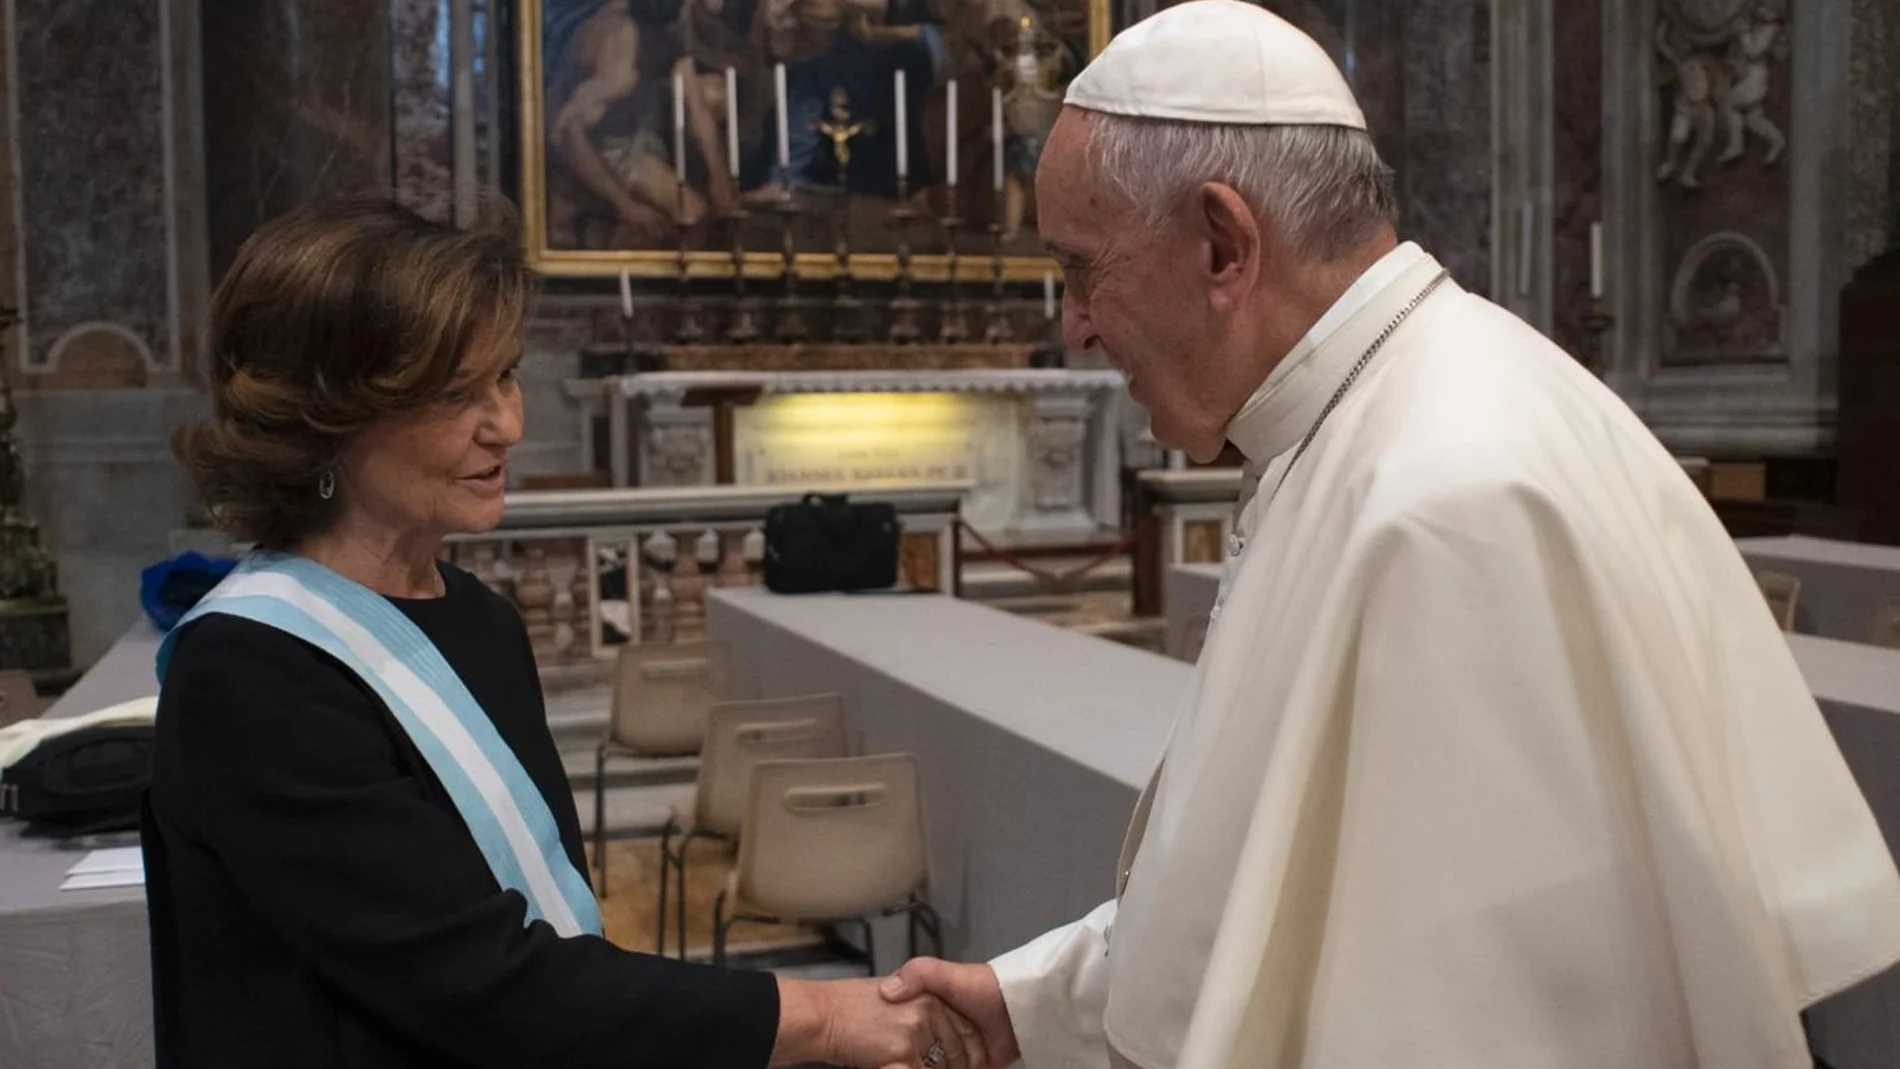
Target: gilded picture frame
611,92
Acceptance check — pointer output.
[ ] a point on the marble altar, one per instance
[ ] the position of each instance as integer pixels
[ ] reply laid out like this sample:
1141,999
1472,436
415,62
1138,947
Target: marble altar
1040,446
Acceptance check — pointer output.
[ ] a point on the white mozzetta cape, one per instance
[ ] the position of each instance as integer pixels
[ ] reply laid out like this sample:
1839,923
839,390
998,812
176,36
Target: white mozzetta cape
1494,756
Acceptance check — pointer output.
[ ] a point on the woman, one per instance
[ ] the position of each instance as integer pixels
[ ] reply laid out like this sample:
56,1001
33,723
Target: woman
360,845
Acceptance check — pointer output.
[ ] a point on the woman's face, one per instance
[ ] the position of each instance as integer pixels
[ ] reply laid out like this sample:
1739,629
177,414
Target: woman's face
443,470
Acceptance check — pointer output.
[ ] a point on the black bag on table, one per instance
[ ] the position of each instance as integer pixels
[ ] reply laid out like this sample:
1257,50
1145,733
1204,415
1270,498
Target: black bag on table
91,780
829,543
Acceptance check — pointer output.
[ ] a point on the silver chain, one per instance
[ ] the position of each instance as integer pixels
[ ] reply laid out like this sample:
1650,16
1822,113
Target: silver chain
1353,375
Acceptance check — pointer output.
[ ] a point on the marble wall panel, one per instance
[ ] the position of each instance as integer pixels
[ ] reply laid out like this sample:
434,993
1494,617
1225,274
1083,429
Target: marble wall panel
1874,97
1445,190
1725,303
296,104
419,72
91,145
1577,164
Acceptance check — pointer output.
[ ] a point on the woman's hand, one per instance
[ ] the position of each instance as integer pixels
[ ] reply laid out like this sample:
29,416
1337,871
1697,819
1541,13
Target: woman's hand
848,1023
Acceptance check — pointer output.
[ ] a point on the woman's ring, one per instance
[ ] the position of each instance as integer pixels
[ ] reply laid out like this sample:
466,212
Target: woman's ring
934,1057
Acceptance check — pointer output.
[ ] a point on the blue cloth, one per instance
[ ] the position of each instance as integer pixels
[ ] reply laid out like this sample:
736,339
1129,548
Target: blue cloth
505,813
169,588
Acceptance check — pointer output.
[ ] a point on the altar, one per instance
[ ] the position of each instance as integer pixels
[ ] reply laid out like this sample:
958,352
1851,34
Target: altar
1039,446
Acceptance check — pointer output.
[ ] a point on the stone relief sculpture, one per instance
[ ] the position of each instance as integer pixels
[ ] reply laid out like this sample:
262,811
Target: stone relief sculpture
1724,305
1718,56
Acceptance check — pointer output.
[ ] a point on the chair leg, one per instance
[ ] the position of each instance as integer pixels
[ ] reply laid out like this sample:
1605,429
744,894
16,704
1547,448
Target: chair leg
659,924
870,948
719,929
679,874
926,914
600,817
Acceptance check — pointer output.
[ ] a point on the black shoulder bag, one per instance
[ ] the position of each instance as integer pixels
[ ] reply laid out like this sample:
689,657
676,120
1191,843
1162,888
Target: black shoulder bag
829,543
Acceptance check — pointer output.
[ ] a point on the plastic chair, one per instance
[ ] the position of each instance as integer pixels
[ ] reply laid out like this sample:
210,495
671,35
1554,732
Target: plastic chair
18,699
831,841
1783,592
661,697
740,735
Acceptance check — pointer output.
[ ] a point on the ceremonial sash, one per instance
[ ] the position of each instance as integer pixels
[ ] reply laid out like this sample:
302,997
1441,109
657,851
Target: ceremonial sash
503,809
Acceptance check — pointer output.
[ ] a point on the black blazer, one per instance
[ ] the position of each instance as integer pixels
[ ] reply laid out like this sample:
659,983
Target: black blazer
317,901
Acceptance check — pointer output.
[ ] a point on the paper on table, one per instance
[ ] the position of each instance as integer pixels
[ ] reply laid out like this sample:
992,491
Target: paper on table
120,859
92,881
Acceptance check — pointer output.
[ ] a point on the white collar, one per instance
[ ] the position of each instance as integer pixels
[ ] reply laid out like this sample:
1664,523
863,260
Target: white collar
1279,413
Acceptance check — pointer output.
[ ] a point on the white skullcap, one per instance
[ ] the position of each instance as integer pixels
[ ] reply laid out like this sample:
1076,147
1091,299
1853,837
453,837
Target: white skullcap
1217,61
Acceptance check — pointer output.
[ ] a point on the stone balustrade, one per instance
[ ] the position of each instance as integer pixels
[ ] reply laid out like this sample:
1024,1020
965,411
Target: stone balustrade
593,570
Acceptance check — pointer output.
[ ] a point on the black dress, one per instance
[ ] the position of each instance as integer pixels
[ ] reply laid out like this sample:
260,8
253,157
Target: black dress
317,901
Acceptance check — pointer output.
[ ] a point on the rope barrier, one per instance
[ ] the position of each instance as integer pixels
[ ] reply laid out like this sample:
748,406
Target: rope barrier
1052,578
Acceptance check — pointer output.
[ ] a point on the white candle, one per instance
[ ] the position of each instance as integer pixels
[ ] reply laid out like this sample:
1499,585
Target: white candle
626,295
1596,261
950,137
679,125
732,121
996,134
784,132
903,130
1048,295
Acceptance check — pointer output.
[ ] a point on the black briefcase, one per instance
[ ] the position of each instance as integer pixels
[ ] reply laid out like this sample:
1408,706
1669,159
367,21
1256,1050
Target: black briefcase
830,543
91,780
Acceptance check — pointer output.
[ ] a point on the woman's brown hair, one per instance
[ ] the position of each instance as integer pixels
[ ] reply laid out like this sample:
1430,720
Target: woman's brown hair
331,318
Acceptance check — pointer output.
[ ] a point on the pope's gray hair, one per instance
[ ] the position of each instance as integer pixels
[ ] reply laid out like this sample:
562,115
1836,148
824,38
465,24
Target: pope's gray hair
1324,187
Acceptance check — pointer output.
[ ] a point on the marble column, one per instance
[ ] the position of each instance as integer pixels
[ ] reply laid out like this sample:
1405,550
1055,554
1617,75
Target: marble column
421,105
1445,189
297,104
103,189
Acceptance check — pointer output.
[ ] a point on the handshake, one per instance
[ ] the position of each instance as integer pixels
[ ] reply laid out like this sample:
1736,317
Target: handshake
928,1015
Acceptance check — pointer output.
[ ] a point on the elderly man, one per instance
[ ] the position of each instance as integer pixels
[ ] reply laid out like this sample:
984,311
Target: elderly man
1494,757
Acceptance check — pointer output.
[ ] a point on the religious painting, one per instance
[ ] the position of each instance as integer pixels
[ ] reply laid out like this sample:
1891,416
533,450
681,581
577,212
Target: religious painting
730,130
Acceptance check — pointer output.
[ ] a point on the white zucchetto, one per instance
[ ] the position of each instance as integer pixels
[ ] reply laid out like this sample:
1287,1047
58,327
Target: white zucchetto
1217,61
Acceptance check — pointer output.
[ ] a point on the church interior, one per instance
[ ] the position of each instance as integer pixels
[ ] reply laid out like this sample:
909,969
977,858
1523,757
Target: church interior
769,270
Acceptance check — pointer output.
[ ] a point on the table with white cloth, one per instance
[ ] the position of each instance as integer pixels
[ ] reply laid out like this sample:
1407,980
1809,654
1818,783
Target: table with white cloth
1033,742
75,971
1842,583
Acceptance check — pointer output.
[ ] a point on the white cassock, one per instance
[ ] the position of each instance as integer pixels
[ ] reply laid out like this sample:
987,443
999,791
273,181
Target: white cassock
1494,756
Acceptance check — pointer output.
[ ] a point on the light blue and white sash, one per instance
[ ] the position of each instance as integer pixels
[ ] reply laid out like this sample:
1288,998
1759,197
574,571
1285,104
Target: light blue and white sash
503,809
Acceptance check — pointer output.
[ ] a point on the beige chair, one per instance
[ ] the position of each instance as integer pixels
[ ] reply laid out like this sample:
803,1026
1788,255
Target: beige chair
1885,628
1783,592
740,735
661,696
18,700
831,841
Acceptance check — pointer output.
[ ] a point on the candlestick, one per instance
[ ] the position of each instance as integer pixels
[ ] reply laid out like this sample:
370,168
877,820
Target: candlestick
904,329
903,127
784,128
953,329
626,295
732,122
950,137
847,312
789,323
679,126
998,329
1048,295
1596,261
741,329
996,136
686,331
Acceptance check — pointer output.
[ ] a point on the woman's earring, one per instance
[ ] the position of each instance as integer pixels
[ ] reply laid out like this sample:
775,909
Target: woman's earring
326,485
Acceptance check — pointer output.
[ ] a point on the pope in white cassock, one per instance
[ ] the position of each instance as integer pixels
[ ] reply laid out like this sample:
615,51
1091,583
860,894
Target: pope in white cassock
1494,756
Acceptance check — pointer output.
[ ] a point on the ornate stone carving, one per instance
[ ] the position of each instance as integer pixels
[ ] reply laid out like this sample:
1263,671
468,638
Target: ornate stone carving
1056,450
534,594
1717,57
676,455
1724,305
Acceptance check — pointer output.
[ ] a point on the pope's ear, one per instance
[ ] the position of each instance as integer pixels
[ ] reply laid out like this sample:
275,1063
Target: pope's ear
1232,236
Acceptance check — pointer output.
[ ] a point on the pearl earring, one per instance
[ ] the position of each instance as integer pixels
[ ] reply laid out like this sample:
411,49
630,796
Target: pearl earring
326,485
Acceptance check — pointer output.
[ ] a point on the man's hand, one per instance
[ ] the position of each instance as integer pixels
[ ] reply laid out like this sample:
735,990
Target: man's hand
846,1023
971,991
